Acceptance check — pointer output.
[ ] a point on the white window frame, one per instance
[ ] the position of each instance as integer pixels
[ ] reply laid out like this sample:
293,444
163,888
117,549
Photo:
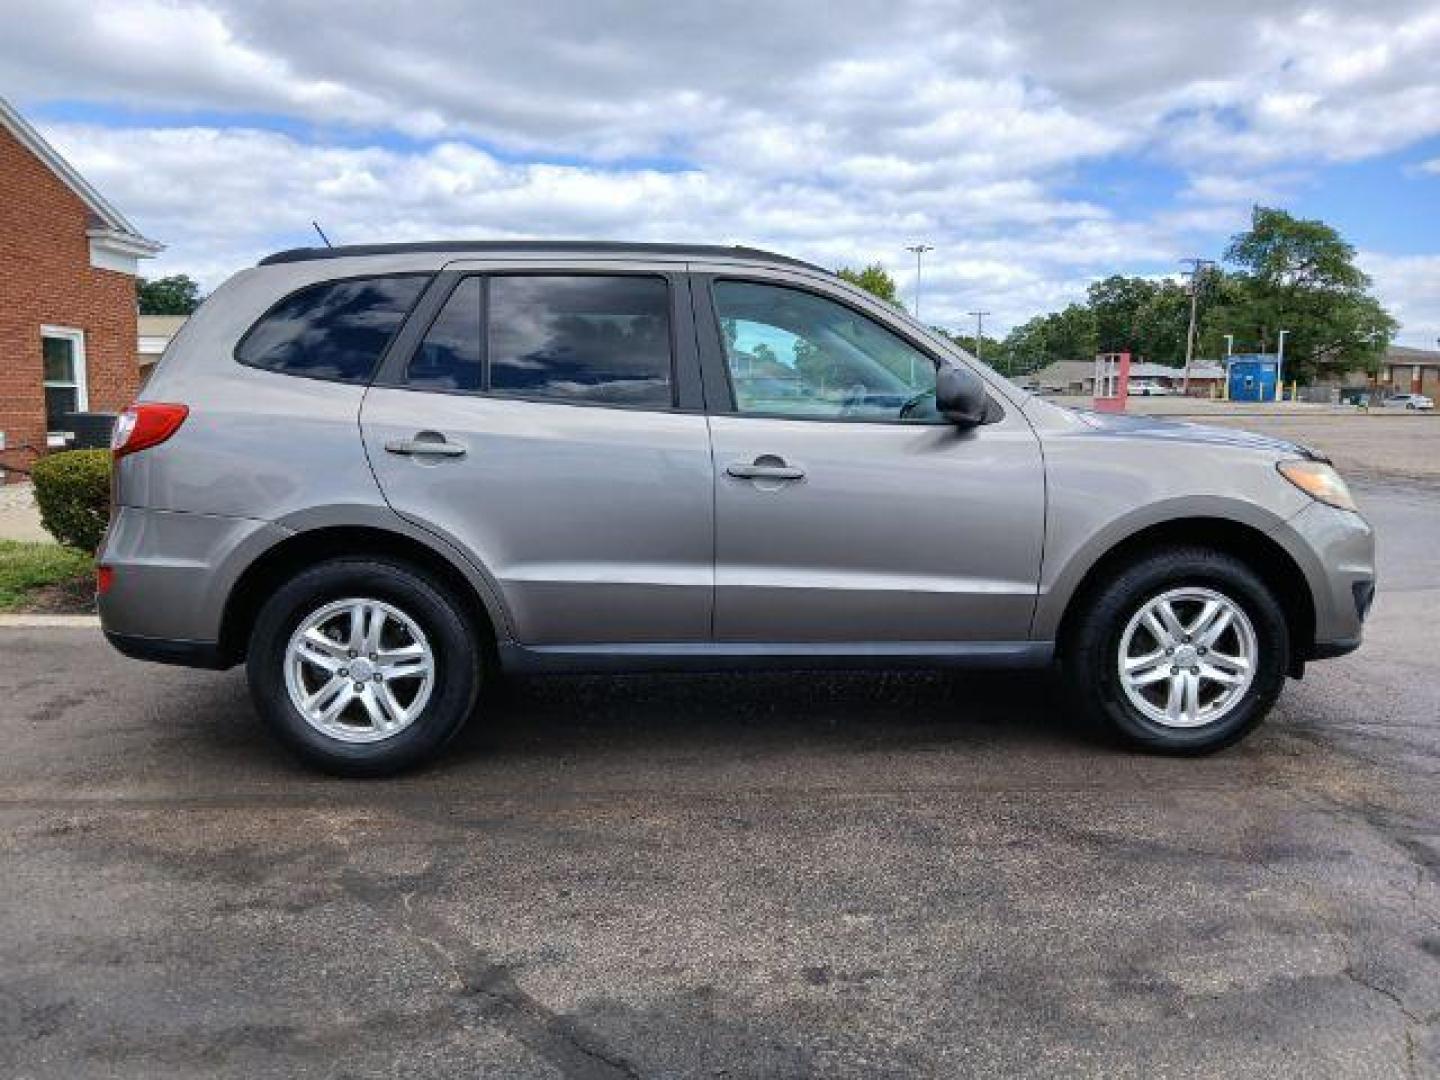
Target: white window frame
81,381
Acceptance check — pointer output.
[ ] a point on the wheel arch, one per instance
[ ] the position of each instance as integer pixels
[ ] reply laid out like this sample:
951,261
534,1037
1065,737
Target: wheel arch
307,547
1250,545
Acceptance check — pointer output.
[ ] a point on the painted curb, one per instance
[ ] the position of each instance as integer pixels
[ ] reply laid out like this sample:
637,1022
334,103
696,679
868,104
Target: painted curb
77,622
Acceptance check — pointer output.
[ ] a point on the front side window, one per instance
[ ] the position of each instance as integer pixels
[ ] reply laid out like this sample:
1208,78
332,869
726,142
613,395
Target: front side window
583,338
64,356
793,353
335,330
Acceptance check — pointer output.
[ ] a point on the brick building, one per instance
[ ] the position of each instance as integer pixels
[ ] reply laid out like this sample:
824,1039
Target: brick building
1411,371
67,295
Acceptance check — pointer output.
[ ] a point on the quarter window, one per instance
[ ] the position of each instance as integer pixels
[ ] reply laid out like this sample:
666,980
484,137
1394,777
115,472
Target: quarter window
792,353
63,352
335,330
588,338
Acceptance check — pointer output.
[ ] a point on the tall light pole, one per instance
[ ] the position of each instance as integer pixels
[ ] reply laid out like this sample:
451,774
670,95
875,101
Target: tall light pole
979,333
1196,267
1229,346
1280,368
919,250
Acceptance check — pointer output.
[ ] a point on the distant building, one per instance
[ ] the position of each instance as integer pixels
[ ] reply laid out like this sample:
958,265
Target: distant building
1410,371
155,332
1077,377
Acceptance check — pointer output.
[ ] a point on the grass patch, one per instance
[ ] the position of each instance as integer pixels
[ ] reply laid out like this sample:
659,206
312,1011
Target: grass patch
27,567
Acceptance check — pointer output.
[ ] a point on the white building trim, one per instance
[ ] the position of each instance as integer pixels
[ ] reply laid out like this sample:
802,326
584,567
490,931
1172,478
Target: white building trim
79,369
115,244
111,250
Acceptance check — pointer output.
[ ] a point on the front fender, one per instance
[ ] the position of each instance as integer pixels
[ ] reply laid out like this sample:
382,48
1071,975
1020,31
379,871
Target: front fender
1071,553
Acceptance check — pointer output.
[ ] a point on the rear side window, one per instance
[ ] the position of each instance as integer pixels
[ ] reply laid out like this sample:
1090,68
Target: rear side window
335,330
449,357
590,338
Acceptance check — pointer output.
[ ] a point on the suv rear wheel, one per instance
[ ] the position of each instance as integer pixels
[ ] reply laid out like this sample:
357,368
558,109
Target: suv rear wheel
1185,650
363,667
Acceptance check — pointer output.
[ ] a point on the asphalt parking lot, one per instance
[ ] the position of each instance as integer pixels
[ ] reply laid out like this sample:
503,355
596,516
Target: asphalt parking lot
781,875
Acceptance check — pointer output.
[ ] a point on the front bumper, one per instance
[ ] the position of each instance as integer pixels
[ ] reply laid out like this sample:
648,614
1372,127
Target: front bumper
1336,550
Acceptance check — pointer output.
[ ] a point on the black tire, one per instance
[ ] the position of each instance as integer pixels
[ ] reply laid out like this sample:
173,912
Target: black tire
454,640
1091,652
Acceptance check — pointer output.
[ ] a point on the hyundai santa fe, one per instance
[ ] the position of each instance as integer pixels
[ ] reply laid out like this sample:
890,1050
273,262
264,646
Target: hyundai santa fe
382,476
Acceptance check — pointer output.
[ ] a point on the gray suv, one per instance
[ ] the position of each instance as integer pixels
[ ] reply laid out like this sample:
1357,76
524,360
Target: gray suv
381,476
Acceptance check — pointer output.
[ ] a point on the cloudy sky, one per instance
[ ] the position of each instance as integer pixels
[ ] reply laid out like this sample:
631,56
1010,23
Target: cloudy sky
1036,145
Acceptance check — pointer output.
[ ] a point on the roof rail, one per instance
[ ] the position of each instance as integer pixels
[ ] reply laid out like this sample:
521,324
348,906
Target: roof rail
504,247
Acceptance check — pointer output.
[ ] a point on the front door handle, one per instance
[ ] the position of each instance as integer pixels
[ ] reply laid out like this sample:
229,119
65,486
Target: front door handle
765,467
426,444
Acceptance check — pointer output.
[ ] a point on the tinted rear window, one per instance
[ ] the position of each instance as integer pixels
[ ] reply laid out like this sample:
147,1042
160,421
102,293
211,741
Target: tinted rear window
335,330
585,338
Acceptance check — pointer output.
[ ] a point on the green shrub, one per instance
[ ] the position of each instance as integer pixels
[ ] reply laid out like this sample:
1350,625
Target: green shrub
72,490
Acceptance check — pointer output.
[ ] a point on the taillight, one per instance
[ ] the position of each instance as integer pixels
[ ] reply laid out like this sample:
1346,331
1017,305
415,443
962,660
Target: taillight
146,424
104,578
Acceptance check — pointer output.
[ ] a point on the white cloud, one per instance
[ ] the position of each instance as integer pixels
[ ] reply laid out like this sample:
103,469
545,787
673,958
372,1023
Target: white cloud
223,198
834,129
1410,287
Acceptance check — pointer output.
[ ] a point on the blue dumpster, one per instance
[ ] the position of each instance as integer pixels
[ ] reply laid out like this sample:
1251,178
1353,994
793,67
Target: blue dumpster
1251,376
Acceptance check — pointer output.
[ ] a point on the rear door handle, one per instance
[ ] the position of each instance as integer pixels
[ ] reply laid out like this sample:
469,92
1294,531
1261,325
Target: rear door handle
765,467
426,444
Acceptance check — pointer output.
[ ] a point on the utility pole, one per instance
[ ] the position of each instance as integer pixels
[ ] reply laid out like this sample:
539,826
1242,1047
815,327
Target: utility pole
1197,266
919,250
979,333
1280,369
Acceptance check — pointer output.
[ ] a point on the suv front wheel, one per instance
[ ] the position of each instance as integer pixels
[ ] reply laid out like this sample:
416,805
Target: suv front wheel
363,667
1185,651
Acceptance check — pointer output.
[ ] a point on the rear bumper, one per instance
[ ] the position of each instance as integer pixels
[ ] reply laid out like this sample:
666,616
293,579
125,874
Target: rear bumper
197,654
174,571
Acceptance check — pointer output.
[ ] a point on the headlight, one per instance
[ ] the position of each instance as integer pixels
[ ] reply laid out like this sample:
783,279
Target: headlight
1320,481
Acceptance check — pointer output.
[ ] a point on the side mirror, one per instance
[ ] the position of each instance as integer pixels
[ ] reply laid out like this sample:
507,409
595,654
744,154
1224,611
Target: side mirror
960,395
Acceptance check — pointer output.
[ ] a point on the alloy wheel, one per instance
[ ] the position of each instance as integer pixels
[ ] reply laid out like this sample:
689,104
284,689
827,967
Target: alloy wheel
359,670
1187,657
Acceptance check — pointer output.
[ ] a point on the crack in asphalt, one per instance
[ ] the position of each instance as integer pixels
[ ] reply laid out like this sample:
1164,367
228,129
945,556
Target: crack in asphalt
1412,1021
1331,919
538,1026
557,1038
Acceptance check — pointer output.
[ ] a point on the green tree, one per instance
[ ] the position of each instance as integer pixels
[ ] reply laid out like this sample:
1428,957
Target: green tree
875,280
764,354
994,354
1116,303
1300,276
813,364
1145,317
178,294
1048,339
1163,321
1284,273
